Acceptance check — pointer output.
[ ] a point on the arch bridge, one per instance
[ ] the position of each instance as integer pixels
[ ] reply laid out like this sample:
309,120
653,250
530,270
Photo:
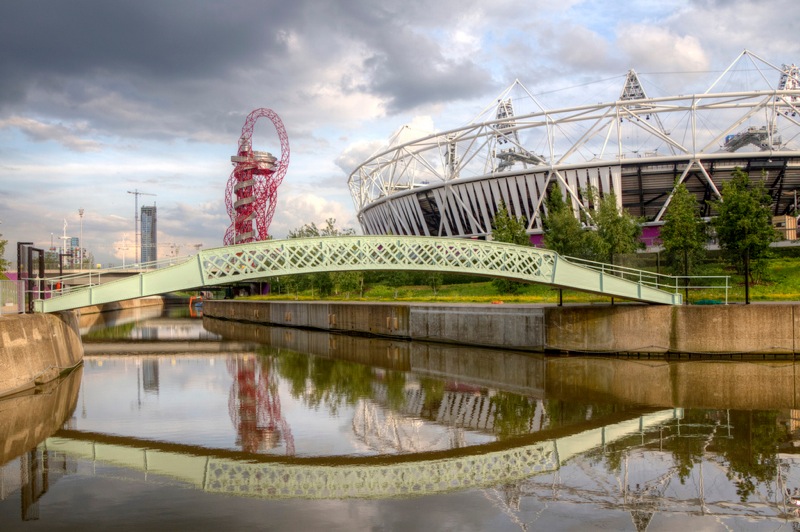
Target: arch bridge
269,258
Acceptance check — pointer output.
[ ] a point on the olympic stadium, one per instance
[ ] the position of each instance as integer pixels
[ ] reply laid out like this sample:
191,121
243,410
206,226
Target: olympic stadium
638,147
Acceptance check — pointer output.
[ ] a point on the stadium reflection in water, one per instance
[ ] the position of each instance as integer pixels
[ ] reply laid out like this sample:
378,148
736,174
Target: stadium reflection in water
244,425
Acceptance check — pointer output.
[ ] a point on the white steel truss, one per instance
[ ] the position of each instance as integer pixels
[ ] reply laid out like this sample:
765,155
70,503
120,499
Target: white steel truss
452,183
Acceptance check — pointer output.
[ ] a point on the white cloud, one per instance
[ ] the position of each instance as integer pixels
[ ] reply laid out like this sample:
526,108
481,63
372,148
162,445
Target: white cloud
658,48
73,137
299,209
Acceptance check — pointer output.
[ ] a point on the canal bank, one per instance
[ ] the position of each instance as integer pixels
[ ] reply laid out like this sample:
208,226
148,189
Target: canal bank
758,329
38,348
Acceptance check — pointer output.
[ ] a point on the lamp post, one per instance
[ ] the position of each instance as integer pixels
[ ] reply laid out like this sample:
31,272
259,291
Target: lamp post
80,241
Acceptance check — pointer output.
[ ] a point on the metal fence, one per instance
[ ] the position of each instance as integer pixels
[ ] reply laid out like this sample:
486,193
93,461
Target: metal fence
10,296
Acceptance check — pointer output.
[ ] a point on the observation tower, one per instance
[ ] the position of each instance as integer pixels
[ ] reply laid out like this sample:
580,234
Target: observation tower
252,190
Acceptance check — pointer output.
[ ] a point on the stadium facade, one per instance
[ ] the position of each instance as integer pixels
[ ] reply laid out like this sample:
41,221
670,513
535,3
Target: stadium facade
638,147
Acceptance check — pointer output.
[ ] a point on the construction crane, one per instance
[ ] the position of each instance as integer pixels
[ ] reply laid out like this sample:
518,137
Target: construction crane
137,234
252,189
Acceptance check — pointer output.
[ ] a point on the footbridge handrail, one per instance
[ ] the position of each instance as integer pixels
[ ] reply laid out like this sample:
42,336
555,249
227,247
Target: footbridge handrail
660,280
258,260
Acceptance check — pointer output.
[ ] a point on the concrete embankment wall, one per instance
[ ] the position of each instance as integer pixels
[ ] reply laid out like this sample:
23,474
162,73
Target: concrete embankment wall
507,326
37,348
719,329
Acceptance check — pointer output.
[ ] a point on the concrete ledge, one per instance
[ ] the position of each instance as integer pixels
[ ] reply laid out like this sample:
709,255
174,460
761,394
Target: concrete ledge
768,329
612,328
37,348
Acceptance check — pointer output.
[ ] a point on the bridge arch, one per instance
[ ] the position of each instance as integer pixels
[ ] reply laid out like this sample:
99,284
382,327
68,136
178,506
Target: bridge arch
257,260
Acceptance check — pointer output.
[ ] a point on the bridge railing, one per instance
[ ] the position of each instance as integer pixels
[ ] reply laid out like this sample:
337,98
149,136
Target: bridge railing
671,283
63,284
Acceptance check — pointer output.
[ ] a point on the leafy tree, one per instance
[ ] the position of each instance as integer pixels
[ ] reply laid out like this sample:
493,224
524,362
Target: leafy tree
617,231
563,232
348,282
396,279
683,233
4,264
507,228
434,280
744,225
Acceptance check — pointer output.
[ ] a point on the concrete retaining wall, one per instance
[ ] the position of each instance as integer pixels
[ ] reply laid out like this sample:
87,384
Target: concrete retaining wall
512,326
37,348
719,329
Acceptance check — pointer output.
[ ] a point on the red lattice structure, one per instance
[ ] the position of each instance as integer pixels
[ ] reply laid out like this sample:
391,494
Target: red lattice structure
252,190
254,405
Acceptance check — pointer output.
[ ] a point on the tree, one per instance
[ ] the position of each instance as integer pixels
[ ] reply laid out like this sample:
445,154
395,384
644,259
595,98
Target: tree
507,228
683,233
744,225
618,232
397,278
434,280
4,264
563,232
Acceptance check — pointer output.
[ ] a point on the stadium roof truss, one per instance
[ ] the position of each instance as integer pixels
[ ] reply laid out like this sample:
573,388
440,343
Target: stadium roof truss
452,183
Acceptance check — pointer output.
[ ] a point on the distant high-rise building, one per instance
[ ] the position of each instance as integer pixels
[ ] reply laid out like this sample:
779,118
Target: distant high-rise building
149,241
74,244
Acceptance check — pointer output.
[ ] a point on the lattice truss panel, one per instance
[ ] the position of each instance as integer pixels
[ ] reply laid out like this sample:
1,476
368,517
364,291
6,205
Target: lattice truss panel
295,256
404,479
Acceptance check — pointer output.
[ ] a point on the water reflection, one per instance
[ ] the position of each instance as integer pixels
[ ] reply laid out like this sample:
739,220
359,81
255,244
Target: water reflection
511,440
26,420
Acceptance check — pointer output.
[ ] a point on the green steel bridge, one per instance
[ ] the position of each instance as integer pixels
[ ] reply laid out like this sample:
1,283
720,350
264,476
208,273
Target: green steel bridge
258,260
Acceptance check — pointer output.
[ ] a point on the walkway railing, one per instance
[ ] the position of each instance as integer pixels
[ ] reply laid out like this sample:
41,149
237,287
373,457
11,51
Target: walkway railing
10,296
670,283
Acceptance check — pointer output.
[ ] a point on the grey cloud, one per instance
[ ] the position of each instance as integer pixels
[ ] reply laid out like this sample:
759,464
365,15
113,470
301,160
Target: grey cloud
153,69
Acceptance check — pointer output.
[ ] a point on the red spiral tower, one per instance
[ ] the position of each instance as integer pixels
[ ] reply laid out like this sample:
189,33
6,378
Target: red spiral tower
252,190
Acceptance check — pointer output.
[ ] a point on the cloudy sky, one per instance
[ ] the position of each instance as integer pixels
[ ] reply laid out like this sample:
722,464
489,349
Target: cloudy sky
99,98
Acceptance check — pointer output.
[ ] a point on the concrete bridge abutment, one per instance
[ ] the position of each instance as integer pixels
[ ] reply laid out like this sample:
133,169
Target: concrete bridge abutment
37,348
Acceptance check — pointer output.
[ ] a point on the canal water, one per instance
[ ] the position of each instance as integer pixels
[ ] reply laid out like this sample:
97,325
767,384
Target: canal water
176,421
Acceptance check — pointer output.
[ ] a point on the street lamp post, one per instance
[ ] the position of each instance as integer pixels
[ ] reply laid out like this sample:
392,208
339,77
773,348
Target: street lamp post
80,241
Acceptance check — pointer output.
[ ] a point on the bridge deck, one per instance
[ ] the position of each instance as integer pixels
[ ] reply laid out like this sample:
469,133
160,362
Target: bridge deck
258,260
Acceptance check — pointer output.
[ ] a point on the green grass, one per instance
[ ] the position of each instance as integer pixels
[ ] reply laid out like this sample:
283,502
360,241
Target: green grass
781,282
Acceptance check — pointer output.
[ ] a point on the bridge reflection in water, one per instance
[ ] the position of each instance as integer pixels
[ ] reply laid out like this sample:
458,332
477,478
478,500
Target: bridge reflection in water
707,439
337,478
